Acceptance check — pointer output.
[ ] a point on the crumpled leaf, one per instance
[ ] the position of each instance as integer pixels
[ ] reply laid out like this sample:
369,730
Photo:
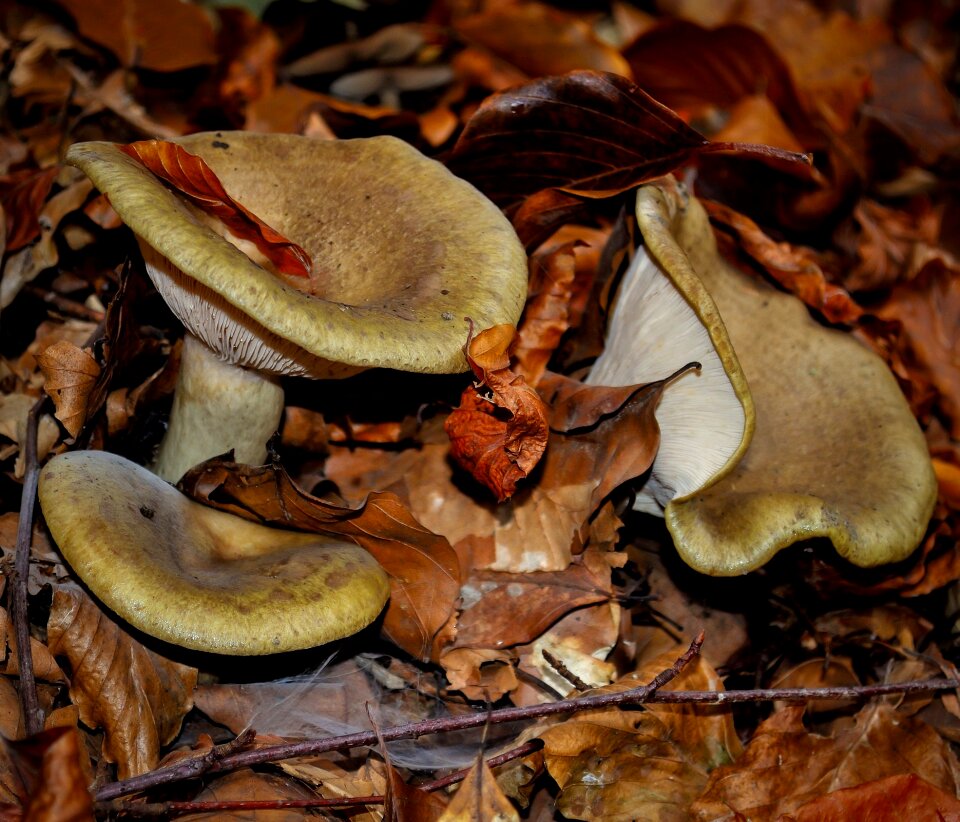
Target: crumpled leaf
54,779
424,571
136,696
785,766
587,133
497,451
247,785
483,674
193,178
70,374
793,267
479,797
624,765
22,195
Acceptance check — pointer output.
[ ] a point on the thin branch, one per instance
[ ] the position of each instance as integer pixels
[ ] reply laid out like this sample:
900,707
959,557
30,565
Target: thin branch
560,667
67,307
168,809
413,730
29,702
805,694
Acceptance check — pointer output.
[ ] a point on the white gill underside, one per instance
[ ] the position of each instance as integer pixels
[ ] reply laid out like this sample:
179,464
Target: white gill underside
652,333
231,334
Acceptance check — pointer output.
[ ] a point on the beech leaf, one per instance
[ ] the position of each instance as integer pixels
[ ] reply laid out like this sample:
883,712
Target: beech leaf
479,797
497,451
588,133
424,571
70,375
136,696
191,176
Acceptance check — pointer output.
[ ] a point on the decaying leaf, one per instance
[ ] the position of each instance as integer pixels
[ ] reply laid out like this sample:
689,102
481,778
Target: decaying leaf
895,797
136,696
479,797
424,572
247,785
193,178
70,374
785,766
498,441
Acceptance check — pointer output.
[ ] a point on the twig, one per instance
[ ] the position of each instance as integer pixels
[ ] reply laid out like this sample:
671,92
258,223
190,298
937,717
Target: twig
413,730
29,702
168,809
560,667
805,694
67,307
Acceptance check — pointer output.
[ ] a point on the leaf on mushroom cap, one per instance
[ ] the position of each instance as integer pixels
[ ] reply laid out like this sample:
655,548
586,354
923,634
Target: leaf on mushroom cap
197,577
402,249
836,452
662,319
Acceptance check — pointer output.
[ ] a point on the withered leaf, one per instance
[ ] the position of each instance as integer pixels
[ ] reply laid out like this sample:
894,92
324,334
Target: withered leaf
500,441
424,571
70,374
883,800
136,696
193,178
22,195
55,781
784,766
588,133
247,785
794,267
479,797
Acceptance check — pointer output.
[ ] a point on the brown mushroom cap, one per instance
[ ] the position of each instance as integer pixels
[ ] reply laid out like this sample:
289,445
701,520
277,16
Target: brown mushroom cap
197,577
403,250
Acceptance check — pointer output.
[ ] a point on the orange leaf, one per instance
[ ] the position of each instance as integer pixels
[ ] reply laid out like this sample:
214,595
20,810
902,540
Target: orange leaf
499,441
193,178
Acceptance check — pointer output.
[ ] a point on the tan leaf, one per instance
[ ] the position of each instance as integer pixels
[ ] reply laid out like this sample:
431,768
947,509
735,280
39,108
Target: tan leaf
136,696
480,673
248,785
480,798
70,375
785,766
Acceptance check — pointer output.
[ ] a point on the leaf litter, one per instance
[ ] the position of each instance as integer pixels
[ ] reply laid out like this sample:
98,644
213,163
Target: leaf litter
519,572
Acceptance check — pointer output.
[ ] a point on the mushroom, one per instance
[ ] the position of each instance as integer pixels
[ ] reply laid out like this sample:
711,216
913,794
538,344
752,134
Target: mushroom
198,577
835,451
403,250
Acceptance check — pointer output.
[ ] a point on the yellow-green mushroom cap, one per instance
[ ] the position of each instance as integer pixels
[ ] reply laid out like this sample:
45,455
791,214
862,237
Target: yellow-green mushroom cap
197,577
835,453
402,251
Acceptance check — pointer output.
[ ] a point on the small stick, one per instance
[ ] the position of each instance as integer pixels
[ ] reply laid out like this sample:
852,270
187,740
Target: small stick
560,667
66,306
29,701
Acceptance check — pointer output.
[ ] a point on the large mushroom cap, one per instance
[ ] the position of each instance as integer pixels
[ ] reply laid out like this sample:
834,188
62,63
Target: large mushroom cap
836,452
198,577
402,250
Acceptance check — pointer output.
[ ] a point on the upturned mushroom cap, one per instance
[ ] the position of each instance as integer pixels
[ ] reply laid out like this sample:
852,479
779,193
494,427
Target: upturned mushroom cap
836,452
197,577
659,323
402,250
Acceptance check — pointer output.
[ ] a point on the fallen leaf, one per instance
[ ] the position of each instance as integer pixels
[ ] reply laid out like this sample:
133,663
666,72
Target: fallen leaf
247,785
136,696
793,267
55,781
22,195
424,572
785,766
483,674
193,178
540,40
883,800
498,441
70,374
586,133
479,797
161,35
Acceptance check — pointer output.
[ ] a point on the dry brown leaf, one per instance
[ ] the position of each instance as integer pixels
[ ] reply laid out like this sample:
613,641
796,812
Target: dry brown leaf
892,799
161,35
540,40
136,696
424,571
55,788
785,766
499,440
483,674
70,374
11,720
479,797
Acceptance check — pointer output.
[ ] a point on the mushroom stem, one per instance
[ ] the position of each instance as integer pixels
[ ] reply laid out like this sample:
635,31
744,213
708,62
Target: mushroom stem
217,407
